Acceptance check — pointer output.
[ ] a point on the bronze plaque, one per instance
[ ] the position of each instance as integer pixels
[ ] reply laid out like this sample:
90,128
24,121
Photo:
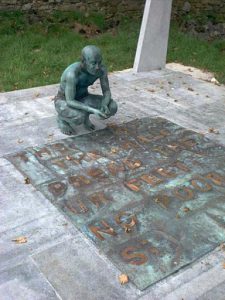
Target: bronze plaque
150,194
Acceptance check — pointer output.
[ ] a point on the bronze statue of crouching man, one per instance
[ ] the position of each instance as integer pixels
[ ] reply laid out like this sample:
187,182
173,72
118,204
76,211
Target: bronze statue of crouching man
73,103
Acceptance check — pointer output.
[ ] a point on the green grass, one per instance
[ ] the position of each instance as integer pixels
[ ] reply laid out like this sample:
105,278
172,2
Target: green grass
36,54
192,51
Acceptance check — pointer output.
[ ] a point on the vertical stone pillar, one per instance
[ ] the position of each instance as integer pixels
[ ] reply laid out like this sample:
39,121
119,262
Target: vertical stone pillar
153,39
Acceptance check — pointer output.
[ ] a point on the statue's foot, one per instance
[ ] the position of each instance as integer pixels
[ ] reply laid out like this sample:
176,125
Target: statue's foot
65,127
88,125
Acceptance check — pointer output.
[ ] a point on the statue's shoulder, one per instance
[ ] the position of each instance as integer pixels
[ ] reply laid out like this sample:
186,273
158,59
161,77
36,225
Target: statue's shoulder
72,71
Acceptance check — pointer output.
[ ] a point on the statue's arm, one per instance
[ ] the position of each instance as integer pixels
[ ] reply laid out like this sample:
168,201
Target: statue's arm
70,94
105,88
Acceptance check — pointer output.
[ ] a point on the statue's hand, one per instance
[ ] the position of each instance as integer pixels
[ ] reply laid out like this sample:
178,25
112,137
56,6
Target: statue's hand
105,110
99,113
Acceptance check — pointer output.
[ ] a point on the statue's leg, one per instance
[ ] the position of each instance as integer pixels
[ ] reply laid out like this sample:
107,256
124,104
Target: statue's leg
76,120
88,124
113,107
68,118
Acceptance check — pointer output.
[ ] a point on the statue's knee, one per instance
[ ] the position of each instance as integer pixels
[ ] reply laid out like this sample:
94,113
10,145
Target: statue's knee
113,107
60,106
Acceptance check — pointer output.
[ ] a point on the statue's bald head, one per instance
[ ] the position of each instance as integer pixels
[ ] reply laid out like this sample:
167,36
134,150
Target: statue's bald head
91,52
91,59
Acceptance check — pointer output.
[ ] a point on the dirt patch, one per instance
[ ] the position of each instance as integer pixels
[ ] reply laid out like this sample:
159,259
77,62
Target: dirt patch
86,30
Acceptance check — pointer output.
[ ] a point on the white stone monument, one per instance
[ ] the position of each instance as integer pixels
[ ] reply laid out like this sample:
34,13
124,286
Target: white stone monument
153,39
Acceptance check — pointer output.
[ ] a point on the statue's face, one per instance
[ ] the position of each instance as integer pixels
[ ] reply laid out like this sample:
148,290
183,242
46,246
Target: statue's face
93,64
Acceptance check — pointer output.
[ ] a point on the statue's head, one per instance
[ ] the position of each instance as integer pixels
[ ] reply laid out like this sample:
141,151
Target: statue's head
91,59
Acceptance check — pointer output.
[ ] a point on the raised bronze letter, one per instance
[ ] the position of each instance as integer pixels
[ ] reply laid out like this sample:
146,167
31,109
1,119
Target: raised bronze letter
181,166
57,188
126,225
151,179
165,173
132,164
201,185
162,200
184,193
133,258
43,153
107,229
216,178
133,185
78,180
98,199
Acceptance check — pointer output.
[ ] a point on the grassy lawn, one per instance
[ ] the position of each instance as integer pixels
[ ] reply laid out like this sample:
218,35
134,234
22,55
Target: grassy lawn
35,54
192,51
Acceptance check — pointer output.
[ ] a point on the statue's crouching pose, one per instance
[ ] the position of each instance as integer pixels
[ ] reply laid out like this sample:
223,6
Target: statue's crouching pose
73,103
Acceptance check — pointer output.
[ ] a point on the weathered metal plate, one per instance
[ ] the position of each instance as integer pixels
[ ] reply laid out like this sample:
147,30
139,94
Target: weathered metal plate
150,194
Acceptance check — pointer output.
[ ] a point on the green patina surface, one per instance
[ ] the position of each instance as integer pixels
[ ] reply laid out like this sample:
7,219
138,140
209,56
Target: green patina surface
149,193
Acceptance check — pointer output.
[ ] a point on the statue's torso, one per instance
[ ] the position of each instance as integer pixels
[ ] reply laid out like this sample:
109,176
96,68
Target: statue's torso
82,80
85,80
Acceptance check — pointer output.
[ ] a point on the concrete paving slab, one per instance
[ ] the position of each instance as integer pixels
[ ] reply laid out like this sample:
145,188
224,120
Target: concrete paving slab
25,111
131,75
41,233
215,293
32,93
77,271
25,282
